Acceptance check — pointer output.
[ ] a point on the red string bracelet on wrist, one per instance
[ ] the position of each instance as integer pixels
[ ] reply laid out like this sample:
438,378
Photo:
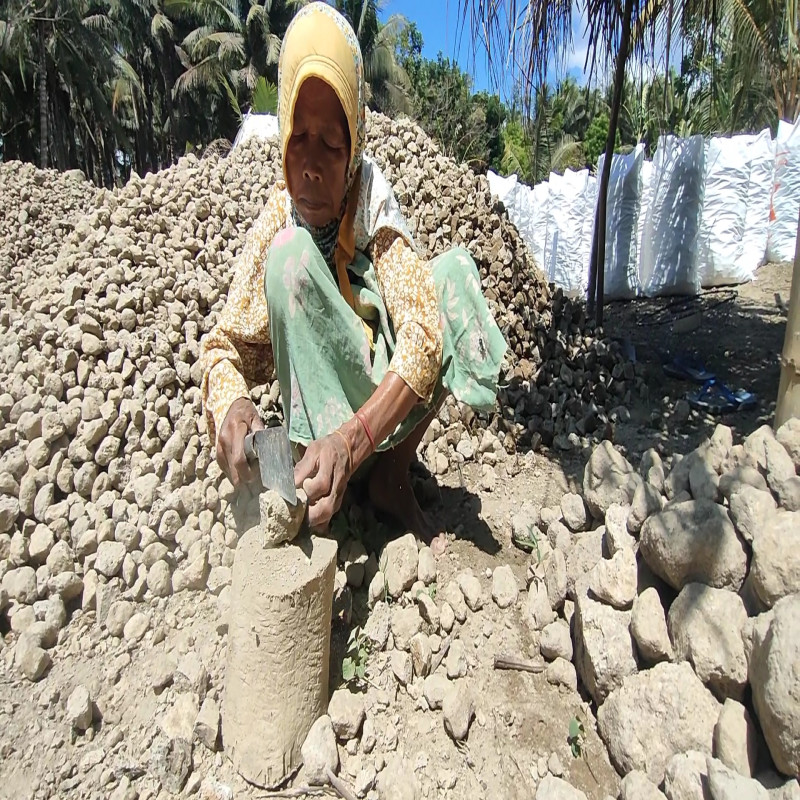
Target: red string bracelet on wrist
365,425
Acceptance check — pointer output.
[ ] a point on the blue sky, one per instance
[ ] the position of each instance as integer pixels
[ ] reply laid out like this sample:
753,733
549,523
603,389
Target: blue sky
440,24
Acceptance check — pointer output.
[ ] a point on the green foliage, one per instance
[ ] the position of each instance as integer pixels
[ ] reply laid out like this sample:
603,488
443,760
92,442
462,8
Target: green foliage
528,541
596,137
516,151
354,664
388,86
265,97
577,737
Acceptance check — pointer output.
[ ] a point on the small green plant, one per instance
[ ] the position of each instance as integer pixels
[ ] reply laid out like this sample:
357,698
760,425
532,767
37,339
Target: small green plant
529,541
429,590
354,664
576,738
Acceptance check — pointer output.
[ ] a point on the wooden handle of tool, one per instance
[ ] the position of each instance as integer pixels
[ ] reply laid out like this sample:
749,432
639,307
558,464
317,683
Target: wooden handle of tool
249,450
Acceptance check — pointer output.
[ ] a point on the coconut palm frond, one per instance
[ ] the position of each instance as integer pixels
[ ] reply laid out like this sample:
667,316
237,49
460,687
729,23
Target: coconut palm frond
161,27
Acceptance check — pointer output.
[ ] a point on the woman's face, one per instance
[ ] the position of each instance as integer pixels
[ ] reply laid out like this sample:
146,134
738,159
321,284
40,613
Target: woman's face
318,153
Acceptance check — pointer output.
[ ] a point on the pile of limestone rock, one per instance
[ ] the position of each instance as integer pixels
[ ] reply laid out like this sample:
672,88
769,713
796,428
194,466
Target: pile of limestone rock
106,471
682,590
39,209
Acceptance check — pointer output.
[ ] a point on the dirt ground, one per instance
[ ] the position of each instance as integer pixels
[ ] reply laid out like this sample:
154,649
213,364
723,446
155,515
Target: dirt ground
521,720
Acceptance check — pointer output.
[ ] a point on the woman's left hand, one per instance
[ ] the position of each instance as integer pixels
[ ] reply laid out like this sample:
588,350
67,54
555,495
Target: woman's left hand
323,473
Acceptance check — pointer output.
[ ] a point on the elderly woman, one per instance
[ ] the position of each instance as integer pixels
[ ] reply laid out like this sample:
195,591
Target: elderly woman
366,338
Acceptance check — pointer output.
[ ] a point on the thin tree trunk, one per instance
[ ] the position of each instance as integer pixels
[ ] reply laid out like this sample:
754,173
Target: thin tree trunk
598,257
44,134
789,390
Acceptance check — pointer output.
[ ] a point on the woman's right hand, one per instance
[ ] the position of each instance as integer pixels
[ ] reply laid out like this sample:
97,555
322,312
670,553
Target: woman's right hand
242,418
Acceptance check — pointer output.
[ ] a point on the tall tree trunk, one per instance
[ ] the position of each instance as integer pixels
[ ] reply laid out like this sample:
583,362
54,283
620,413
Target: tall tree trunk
44,134
597,261
789,389
151,136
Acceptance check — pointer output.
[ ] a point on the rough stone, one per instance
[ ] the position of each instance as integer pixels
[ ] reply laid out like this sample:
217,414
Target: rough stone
556,641
79,708
458,710
119,613
686,777
751,511
789,436
347,713
280,521
585,552
20,584
456,660
136,627
540,613
421,654
426,567
775,568
703,480
171,762
649,627
773,676
736,739
31,659
614,580
694,541
110,556
433,689
447,617
159,579
453,596
504,586
705,626
405,623
553,788
726,784
206,726
399,563
616,523
402,667
555,579
574,512
471,588
191,675
319,752
562,673
646,721
637,786
607,479
178,722
604,653
647,500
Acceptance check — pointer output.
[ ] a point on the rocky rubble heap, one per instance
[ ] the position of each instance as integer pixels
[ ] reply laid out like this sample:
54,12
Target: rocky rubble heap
107,474
110,500
683,591
39,208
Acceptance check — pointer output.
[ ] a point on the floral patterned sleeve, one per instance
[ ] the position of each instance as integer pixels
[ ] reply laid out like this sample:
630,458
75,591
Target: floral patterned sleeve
236,353
409,293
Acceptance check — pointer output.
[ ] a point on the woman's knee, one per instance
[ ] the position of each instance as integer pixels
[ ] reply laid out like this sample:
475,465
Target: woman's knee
454,265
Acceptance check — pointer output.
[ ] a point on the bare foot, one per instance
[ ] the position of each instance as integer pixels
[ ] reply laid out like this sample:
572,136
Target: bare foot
390,491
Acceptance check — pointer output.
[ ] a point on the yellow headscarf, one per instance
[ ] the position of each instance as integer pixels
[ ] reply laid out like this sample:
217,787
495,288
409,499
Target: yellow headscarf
320,43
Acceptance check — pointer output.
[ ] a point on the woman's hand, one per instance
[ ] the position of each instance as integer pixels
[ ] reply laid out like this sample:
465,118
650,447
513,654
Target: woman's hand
242,418
323,473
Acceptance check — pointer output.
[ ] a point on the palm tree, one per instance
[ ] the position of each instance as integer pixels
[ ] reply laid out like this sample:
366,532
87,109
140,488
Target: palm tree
760,44
226,53
65,50
388,85
532,35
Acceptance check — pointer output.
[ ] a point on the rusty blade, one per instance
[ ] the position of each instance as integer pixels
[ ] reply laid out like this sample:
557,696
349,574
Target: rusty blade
272,449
